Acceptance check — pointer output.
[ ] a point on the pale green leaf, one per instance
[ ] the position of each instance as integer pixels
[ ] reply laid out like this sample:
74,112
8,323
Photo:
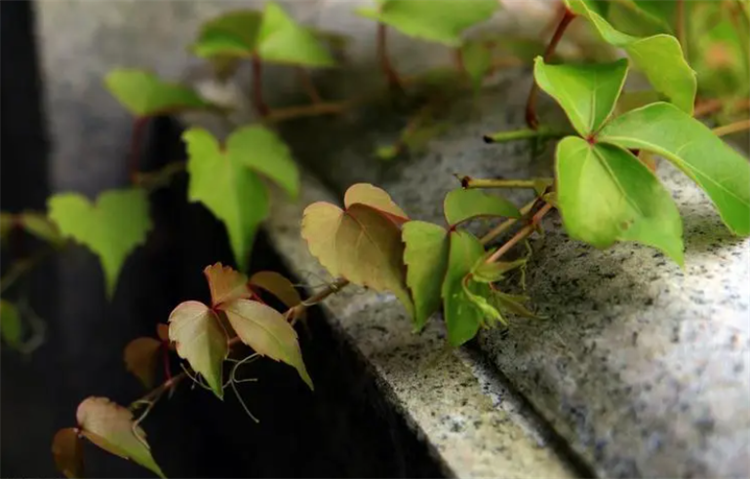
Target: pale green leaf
110,427
462,316
477,60
10,324
200,340
225,284
141,359
426,259
464,204
659,57
587,93
277,285
145,94
441,21
606,194
233,34
484,272
479,299
717,168
67,449
366,194
262,150
630,100
40,226
282,40
111,228
511,303
224,183
266,331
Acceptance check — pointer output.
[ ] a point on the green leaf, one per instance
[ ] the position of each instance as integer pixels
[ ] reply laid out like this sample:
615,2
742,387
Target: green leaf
144,94
141,358
233,34
262,150
479,300
462,316
224,183
225,284
110,427
426,259
441,21
477,60
111,228
200,340
716,167
587,93
10,324
659,57
484,272
606,194
266,331
461,205
282,40
67,449
511,303
638,18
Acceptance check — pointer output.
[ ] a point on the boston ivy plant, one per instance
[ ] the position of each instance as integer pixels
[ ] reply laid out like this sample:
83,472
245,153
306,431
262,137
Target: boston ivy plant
604,184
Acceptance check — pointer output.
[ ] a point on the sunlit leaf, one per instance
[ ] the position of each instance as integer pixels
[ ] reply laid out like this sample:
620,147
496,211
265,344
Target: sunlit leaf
375,197
362,244
224,183
145,94
426,259
480,301
111,228
10,324
67,449
232,34
464,204
441,21
141,358
266,331
200,340
282,40
462,316
716,167
587,93
225,283
659,57
277,285
110,427
263,151
606,194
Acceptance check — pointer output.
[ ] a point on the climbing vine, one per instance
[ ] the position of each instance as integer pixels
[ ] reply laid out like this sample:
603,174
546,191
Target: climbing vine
694,55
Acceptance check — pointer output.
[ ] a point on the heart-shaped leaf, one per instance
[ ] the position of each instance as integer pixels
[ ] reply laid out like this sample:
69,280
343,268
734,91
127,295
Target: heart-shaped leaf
361,243
716,167
231,35
200,340
606,194
659,57
464,204
366,194
278,286
145,94
462,316
111,228
426,259
141,358
10,324
224,183
282,40
587,93
441,21
266,331
67,449
225,284
110,427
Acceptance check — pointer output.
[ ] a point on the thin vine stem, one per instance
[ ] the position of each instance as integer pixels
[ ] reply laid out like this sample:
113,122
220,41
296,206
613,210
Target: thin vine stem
531,119
680,26
541,132
507,224
136,147
308,85
260,105
489,183
735,127
522,234
385,62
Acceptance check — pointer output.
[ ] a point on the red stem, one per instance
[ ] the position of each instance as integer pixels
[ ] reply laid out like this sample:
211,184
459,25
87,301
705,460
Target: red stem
136,147
385,62
531,119
260,105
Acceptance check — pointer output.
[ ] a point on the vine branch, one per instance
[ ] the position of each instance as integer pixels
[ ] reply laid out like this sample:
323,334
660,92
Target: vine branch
385,62
735,127
260,105
522,234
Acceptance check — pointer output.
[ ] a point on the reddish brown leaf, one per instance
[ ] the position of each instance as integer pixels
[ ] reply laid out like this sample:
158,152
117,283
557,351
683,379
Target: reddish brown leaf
141,359
68,452
225,283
